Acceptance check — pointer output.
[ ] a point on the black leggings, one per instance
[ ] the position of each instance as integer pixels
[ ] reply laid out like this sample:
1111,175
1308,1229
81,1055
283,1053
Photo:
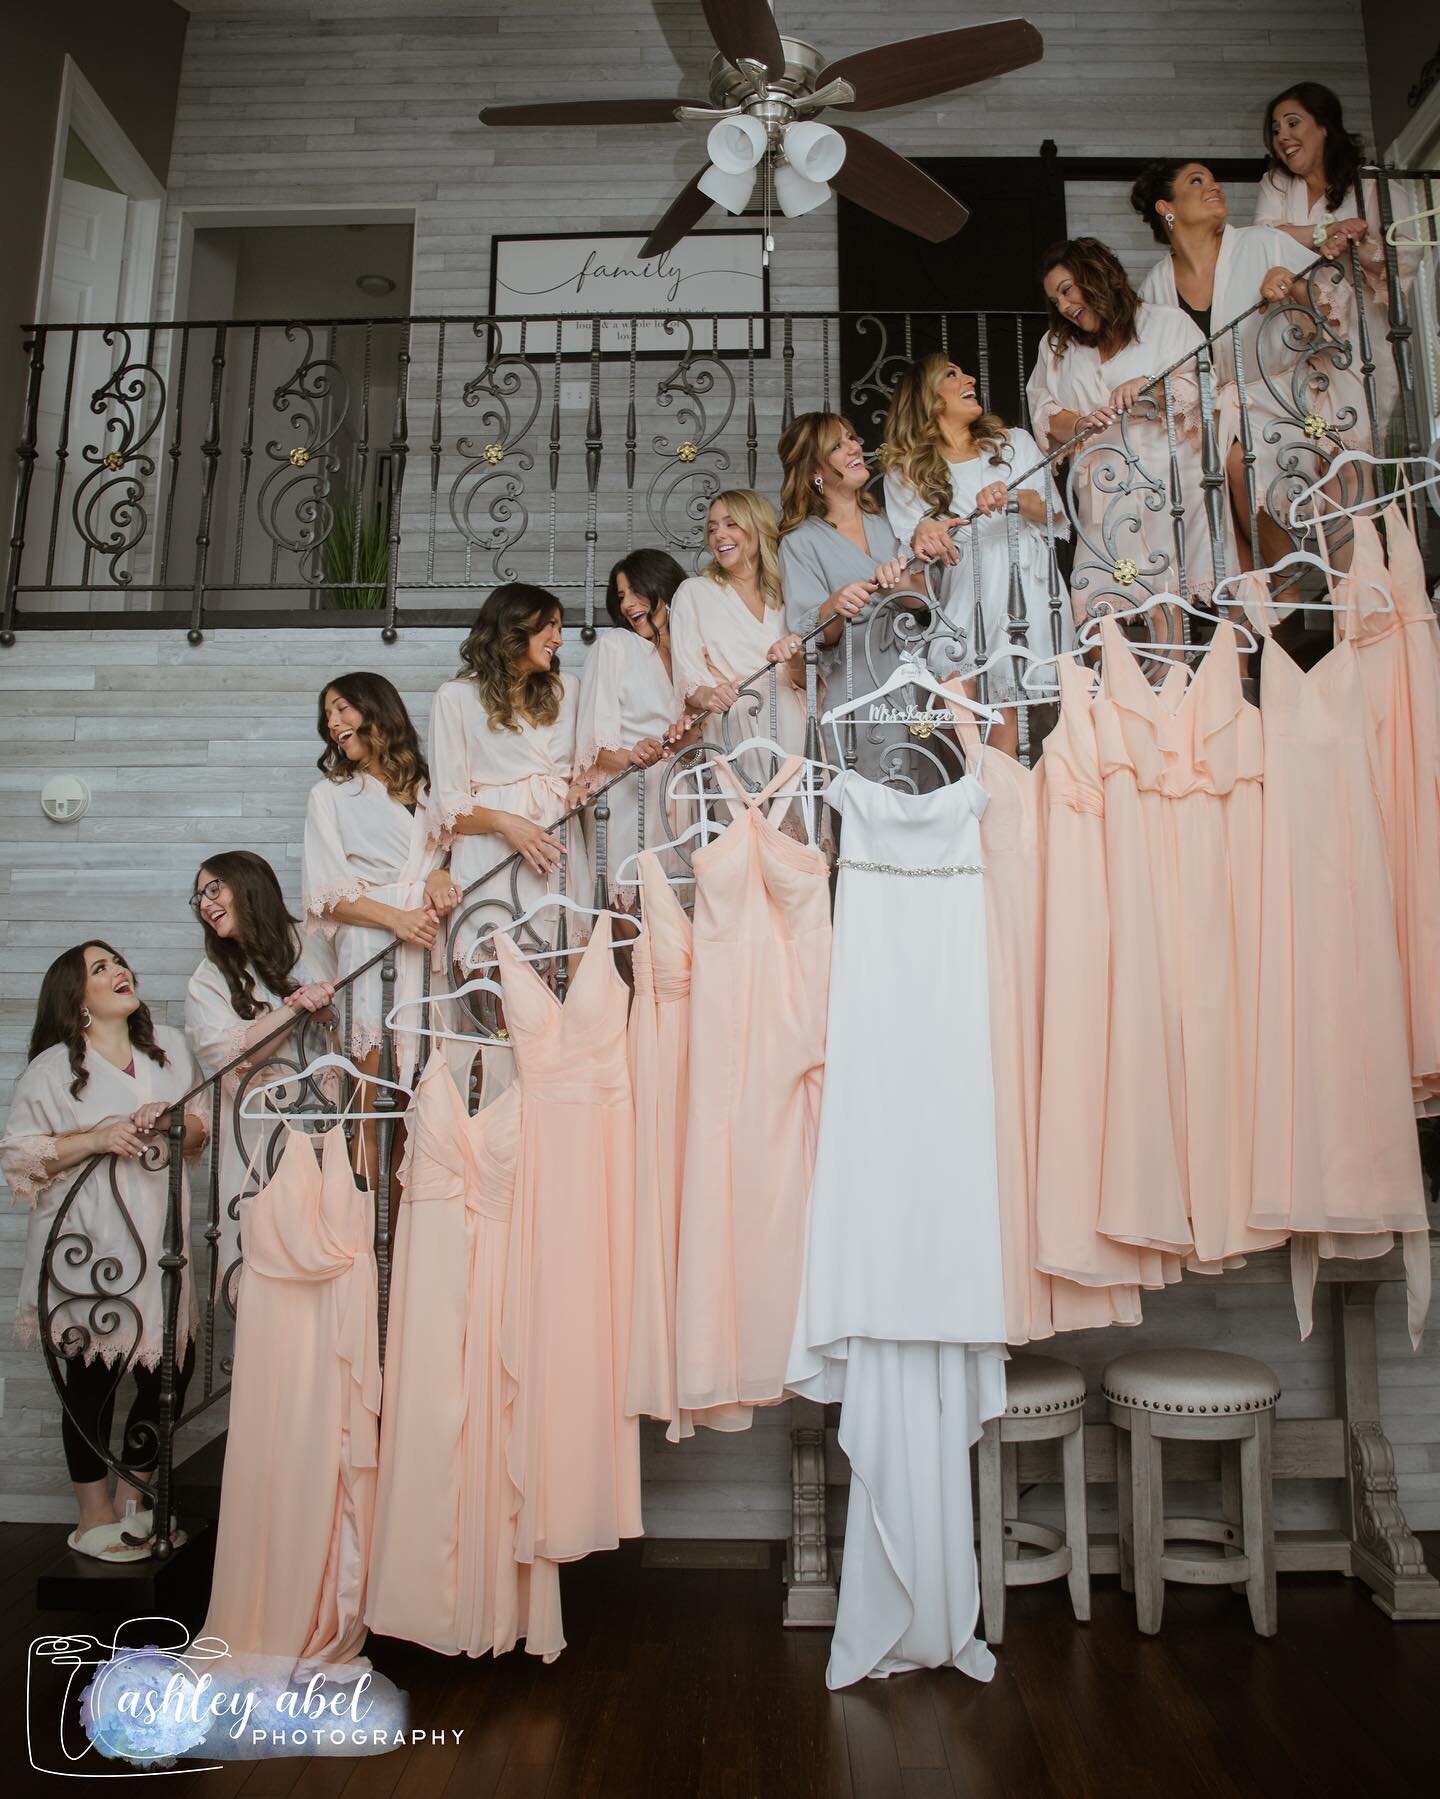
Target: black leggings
90,1389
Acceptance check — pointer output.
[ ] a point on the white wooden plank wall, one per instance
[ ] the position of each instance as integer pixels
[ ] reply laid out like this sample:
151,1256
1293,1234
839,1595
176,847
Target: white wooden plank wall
189,751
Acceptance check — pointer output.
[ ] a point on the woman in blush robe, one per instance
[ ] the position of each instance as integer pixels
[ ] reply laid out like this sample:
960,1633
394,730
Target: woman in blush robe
372,870
729,620
1104,346
101,1081
838,554
256,982
502,765
631,716
1216,272
1312,191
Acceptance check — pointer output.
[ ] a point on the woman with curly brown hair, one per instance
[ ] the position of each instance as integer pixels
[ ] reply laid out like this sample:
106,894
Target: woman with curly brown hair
1103,347
502,757
101,1081
372,870
949,462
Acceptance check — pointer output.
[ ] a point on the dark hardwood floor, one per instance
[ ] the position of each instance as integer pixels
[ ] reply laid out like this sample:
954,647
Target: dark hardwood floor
681,1682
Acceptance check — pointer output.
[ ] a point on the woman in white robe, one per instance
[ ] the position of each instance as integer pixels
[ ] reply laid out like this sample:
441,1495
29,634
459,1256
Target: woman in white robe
947,461
1103,347
100,1081
254,981
838,559
1312,192
502,769
372,871
631,716
1218,272
729,620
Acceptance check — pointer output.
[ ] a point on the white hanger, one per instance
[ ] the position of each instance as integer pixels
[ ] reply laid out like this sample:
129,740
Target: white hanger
1298,559
1413,218
331,1060
703,827
1089,633
1315,493
909,672
807,772
1012,652
478,985
566,904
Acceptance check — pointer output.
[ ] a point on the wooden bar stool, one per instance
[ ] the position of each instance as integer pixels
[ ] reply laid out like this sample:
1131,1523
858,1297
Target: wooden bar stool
1044,1402
1207,1396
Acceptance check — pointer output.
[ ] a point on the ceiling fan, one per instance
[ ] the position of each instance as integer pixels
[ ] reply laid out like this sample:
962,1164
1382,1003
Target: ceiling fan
764,91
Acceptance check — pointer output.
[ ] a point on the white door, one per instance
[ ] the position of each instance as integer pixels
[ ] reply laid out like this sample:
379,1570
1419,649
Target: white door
86,272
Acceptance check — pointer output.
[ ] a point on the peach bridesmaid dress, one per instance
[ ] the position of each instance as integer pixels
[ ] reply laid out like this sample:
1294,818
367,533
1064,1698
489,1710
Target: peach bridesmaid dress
1335,1149
443,1570
1182,770
1077,1016
1012,839
759,992
298,1497
1399,650
573,1454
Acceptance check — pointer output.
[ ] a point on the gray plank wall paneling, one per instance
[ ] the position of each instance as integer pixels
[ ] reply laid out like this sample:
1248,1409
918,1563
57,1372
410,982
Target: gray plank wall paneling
360,102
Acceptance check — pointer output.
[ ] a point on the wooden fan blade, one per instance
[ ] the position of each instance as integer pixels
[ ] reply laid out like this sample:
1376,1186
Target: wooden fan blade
920,67
583,112
746,28
885,182
685,210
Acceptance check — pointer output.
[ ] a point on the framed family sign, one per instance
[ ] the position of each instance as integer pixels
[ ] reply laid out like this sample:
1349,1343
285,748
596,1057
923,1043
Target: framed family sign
546,279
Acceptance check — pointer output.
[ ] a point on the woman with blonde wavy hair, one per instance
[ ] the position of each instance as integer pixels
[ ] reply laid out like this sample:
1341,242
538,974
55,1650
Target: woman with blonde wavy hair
838,555
371,869
949,462
502,756
729,620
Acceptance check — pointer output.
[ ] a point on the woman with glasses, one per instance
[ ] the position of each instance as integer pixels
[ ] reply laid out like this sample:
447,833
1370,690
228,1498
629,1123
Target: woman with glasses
253,983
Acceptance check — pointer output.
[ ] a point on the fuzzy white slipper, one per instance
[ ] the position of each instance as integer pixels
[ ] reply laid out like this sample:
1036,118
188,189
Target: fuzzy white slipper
102,1543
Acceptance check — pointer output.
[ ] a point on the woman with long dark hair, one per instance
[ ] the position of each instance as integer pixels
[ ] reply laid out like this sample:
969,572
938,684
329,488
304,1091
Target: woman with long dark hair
253,983
1217,272
630,715
1104,345
947,461
502,757
101,1080
837,554
371,869
1313,192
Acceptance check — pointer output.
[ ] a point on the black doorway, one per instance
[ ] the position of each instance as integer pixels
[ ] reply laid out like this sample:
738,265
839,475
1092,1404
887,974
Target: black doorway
1017,209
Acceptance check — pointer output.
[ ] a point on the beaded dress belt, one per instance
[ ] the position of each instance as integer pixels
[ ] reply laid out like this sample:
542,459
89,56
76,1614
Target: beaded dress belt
894,868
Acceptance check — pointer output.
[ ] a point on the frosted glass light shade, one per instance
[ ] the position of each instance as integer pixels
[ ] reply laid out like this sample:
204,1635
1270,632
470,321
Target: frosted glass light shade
737,144
732,191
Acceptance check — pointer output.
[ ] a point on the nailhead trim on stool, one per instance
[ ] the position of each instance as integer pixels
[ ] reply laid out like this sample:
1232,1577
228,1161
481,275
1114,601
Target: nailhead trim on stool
1212,1382
1036,1386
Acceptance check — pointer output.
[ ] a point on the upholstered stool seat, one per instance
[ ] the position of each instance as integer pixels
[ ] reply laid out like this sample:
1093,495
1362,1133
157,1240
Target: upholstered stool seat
1044,1402
1204,1395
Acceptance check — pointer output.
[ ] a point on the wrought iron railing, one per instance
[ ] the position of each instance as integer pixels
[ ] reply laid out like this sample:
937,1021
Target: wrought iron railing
369,470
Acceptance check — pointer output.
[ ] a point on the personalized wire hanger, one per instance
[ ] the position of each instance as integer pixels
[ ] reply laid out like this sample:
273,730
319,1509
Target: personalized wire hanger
1312,496
480,984
909,672
320,1065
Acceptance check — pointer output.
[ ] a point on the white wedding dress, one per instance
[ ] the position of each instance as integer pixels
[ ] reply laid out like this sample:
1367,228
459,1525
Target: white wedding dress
902,1314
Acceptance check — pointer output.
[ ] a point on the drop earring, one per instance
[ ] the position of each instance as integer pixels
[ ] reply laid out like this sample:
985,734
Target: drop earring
819,484
85,1019
1170,221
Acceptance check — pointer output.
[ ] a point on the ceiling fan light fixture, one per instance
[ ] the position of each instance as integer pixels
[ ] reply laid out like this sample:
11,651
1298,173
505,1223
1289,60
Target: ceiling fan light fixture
727,189
736,145
814,151
796,193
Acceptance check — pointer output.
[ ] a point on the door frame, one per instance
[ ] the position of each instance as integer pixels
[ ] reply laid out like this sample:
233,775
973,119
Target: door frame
82,111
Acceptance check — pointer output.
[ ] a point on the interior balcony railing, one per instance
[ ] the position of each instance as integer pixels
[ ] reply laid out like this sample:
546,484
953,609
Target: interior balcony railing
374,471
